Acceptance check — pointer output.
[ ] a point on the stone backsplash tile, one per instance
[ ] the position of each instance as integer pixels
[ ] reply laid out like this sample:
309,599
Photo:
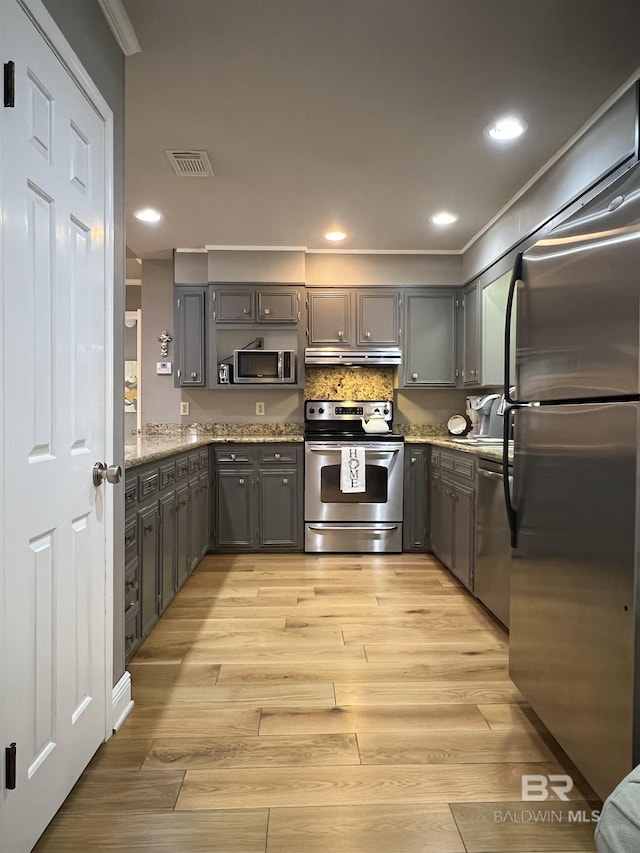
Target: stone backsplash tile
344,383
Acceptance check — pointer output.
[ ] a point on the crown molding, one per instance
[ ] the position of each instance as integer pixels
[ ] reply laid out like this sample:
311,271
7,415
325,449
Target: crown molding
121,26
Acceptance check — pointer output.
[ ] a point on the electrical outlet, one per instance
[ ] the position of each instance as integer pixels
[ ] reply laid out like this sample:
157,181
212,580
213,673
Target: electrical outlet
259,408
184,408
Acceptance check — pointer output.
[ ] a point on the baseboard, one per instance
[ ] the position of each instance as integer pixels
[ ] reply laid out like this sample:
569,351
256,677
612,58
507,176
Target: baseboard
121,701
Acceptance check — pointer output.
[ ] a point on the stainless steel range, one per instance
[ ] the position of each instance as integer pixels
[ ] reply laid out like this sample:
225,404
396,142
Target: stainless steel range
340,436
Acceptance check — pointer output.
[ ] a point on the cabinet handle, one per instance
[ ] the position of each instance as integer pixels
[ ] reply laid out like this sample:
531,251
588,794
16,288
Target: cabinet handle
194,375
148,528
183,503
241,481
245,310
233,457
131,584
414,376
367,334
267,311
129,539
285,481
341,334
276,456
129,638
413,460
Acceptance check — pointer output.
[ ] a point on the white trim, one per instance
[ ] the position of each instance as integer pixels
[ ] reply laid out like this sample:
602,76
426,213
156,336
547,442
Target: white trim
121,701
121,26
384,252
54,37
3,561
559,153
200,251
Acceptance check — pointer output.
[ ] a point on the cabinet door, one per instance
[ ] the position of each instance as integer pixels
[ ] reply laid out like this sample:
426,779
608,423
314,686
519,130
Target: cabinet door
377,319
182,534
463,534
330,318
234,306
414,530
195,522
277,305
447,505
190,326
148,526
235,521
167,559
430,340
493,314
471,341
436,512
278,507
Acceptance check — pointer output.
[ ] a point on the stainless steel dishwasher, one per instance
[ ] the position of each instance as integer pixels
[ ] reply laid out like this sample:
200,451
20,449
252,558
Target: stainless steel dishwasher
492,577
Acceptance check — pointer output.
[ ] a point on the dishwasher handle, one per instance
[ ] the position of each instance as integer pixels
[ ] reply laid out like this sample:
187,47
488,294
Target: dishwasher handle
489,474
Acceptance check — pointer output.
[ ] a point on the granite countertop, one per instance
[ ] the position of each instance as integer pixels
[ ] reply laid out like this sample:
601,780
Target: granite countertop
485,452
148,448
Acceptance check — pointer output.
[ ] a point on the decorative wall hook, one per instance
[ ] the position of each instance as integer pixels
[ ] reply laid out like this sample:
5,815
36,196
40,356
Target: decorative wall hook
164,339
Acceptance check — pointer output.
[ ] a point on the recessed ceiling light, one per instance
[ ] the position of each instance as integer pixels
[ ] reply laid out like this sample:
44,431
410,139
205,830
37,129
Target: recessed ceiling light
148,214
335,236
444,218
506,129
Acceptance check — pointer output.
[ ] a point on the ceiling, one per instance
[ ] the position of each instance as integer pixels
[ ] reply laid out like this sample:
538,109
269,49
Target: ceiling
362,114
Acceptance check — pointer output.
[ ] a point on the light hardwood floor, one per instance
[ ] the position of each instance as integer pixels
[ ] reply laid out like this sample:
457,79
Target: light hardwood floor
323,704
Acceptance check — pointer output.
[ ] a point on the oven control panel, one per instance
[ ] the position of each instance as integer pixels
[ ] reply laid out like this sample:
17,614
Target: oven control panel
346,410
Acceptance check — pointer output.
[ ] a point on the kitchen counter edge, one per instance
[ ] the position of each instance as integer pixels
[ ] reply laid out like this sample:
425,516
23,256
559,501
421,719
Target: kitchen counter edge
448,443
152,448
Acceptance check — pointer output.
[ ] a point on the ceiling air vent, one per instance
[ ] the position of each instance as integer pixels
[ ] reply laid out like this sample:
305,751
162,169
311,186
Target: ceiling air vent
190,164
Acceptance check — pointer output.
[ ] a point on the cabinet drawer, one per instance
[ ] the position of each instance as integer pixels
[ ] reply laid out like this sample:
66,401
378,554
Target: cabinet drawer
147,484
203,456
167,475
182,467
131,584
464,467
194,462
435,458
131,628
130,495
131,535
234,456
277,454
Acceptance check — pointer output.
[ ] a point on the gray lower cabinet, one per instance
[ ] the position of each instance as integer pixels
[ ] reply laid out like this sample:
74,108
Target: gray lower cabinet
167,531
415,532
453,490
259,497
429,339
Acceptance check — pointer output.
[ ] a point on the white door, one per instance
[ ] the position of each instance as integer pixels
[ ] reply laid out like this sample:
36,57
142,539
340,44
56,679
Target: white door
55,283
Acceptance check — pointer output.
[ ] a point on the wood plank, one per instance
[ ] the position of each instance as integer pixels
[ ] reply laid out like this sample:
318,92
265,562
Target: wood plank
419,692
266,610
235,696
431,651
173,675
369,829
173,722
371,718
507,716
356,785
121,754
453,632
289,751
237,831
310,653
107,791
205,625
510,827
452,668
459,747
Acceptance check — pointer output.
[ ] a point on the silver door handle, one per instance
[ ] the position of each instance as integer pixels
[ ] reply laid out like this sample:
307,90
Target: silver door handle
374,527
491,474
112,473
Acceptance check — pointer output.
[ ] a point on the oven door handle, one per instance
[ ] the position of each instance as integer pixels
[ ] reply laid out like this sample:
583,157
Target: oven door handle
353,526
371,452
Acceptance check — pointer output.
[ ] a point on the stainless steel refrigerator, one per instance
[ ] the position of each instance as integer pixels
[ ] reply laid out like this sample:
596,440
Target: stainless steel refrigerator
574,507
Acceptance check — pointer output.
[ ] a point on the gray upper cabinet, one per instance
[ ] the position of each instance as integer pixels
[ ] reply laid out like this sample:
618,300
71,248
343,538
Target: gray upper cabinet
190,325
330,318
234,306
493,311
430,339
377,318
278,305
471,336
354,317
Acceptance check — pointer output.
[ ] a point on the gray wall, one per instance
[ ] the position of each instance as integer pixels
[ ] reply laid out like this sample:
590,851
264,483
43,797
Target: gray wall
86,30
325,269
160,400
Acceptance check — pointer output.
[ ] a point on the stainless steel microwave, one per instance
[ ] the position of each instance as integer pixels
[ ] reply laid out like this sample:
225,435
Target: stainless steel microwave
264,365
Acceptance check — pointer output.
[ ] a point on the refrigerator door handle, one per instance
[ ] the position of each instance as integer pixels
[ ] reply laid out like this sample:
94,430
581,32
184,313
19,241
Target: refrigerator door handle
516,276
512,515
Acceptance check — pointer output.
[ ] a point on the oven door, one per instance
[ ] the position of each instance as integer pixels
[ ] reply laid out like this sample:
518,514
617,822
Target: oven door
382,498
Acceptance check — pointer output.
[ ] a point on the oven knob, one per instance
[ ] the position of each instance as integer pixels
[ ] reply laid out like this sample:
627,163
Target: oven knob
386,411
311,410
321,410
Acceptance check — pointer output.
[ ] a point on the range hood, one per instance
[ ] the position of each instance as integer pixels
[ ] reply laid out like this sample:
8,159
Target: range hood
333,357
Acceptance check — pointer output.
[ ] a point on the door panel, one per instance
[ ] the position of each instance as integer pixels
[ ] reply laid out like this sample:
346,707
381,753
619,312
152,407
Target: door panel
278,492
55,291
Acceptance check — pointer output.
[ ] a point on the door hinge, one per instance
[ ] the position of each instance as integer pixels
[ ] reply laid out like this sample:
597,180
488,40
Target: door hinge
10,766
10,84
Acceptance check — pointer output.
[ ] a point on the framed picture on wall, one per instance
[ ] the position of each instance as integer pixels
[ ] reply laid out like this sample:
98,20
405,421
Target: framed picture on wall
131,386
